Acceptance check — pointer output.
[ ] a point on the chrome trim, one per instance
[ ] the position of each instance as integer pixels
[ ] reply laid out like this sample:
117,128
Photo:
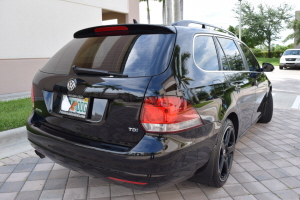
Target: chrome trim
215,35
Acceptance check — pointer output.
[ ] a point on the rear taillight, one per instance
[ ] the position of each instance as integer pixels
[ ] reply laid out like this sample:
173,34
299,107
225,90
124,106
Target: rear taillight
168,114
32,94
114,28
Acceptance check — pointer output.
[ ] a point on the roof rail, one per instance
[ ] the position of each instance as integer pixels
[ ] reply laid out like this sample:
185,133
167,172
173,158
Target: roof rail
187,22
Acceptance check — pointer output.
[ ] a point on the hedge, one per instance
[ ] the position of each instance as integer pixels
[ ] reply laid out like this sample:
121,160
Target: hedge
264,54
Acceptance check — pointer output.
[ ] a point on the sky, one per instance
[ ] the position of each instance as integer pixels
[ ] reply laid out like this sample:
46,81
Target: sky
216,12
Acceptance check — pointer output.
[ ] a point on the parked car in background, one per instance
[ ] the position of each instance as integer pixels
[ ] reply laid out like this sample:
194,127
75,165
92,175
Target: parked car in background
290,58
148,106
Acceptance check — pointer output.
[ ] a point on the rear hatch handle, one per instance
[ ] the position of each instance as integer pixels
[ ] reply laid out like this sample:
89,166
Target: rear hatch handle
80,71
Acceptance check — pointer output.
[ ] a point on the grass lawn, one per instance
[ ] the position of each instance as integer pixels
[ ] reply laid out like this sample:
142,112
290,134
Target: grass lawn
273,61
13,114
199,105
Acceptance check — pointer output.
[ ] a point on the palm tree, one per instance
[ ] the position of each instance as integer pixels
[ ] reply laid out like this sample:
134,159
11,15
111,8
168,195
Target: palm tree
106,87
164,13
180,71
176,10
181,10
169,12
148,10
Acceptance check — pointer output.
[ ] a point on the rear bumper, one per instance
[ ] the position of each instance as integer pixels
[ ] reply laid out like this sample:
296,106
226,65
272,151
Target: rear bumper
156,161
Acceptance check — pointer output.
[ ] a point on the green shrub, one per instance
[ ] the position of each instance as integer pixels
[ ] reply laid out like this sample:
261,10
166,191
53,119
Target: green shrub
264,54
273,61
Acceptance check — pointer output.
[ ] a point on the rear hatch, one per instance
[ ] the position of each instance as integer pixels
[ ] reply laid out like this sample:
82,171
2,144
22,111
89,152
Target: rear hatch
91,91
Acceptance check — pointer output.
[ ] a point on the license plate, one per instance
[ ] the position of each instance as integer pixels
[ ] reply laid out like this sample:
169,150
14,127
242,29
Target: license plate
74,106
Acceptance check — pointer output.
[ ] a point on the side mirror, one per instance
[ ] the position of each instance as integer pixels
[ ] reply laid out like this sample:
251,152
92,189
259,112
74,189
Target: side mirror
267,67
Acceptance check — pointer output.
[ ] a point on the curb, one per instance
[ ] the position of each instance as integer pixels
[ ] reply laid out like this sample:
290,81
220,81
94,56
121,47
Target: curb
13,141
13,96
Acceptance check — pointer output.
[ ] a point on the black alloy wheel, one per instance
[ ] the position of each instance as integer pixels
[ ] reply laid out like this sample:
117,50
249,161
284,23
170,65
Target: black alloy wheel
223,155
226,153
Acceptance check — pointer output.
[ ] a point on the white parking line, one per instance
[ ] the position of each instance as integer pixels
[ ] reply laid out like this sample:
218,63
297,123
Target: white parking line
296,103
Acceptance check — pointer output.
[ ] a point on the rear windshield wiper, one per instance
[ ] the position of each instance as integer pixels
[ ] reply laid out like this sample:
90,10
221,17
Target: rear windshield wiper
79,71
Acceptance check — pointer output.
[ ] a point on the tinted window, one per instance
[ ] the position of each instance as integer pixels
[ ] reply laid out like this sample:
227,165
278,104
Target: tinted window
222,57
205,54
134,55
250,58
232,54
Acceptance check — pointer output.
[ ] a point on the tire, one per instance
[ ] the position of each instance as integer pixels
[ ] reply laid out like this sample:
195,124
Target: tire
280,67
267,113
223,156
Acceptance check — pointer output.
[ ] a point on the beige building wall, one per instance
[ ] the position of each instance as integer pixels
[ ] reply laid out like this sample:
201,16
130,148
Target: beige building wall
17,74
297,17
37,29
133,11
123,18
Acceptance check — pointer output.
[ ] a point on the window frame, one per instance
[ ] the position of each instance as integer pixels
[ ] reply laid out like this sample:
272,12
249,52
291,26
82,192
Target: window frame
239,50
245,60
212,36
236,42
219,55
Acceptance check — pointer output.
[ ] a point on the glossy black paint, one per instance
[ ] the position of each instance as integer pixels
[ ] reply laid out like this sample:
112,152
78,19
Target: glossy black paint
123,96
102,144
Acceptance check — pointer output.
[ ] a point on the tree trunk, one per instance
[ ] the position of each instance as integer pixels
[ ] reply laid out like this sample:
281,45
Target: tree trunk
148,12
177,10
164,17
169,12
269,49
181,9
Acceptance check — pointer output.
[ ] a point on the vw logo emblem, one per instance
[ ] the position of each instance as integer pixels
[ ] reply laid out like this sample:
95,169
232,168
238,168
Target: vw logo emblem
71,84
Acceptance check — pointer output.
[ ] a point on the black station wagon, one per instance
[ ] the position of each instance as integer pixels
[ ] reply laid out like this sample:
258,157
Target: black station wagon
148,106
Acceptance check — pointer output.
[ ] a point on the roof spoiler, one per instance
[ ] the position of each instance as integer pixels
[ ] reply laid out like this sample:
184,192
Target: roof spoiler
122,29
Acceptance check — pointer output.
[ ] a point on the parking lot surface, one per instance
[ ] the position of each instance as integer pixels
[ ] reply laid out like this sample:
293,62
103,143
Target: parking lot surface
266,166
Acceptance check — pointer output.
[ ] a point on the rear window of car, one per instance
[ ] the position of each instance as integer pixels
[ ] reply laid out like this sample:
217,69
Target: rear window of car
133,55
291,52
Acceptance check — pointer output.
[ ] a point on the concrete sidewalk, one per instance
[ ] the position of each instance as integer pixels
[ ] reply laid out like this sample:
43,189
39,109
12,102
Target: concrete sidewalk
266,166
15,140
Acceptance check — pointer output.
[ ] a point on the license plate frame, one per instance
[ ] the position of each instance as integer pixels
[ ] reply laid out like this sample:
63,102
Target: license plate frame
75,106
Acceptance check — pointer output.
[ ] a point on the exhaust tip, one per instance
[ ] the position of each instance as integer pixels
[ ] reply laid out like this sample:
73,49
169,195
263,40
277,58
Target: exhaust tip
39,154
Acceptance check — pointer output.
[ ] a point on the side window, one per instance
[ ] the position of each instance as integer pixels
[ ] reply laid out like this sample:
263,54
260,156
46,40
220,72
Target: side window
224,61
250,58
233,55
205,54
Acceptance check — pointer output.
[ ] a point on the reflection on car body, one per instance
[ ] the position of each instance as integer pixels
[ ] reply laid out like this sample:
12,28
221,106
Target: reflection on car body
159,104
